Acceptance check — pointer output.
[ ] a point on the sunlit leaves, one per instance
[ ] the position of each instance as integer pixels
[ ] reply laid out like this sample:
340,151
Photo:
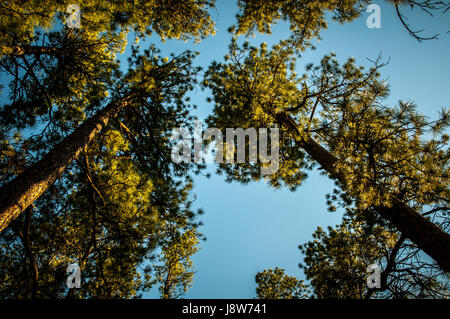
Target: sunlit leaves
275,284
306,18
122,197
336,260
249,89
175,275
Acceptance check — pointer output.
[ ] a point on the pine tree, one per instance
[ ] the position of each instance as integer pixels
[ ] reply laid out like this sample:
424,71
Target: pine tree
85,147
380,156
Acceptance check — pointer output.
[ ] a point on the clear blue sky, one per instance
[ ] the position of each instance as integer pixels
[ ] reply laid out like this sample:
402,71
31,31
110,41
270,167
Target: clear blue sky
253,227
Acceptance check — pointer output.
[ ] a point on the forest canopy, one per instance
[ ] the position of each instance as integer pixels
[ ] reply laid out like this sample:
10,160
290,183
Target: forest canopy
86,174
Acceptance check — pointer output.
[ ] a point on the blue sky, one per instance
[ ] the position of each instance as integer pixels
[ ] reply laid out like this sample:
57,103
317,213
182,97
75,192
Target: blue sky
253,227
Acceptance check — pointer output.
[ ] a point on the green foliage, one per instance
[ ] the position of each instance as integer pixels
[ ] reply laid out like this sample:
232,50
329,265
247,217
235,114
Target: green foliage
176,273
306,18
275,284
249,89
114,207
336,261
123,198
182,19
383,151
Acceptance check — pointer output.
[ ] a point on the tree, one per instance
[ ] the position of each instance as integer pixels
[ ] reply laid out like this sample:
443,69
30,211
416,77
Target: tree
176,273
275,284
73,53
343,16
308,18
23,190
428,7
108,193
336,261
380,156
75,124
113,212
113,205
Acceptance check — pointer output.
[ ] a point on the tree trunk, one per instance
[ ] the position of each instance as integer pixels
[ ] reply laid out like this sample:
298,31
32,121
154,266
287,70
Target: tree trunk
33,268
424,233
18,50
23,190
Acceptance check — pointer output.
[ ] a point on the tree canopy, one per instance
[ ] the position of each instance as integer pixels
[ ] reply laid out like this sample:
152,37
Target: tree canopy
275,284
85,148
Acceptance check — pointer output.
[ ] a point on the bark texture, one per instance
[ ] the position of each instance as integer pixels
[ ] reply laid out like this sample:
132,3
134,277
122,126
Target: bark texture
423,232
22,191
